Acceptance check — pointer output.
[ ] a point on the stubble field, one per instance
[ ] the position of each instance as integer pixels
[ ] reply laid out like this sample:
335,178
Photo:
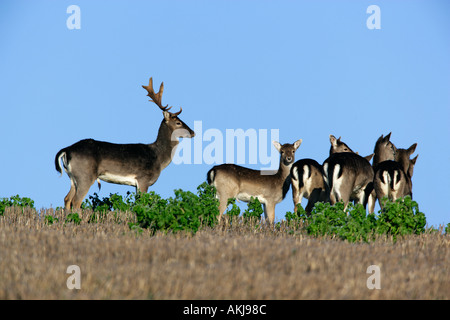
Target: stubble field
227,262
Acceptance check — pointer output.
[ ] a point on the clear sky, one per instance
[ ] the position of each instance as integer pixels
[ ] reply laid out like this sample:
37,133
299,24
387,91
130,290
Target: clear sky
305,68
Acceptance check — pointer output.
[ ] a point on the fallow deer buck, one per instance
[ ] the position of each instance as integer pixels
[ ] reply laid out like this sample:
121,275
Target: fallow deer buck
136,165
307,177
347,176
233,181
393,178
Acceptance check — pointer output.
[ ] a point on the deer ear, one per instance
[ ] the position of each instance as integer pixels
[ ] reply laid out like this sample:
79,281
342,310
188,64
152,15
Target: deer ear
413,160
297,143
166,115
333,140
388,137
412,149
369,157
277,145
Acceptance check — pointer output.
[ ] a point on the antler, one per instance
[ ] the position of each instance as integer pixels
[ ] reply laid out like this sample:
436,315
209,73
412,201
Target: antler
156,97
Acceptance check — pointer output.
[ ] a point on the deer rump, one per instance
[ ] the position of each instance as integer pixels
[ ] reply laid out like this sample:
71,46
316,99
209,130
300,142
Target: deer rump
391,181
307,182
346,176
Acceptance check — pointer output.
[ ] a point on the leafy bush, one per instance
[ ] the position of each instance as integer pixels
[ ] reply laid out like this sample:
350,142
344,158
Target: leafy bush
49,219
397,218
114,202
254,209
15,201
73,217
234,211
401,217
186,211
250,215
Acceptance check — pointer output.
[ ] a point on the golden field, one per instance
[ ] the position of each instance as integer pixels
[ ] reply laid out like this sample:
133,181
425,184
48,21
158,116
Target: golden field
227,262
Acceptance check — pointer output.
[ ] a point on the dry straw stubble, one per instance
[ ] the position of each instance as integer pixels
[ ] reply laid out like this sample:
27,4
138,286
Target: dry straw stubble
238,262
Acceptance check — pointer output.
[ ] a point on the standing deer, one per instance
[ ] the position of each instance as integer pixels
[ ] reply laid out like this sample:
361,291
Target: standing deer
233,181
393,178
136,165
307,177
347,175
307,182
384,150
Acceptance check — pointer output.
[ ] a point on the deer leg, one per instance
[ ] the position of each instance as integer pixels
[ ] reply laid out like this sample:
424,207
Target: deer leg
313,198
269,212
142,187
361,199
371,201
333,198
83,186
144,182
296,196
223,202
68,199
344,196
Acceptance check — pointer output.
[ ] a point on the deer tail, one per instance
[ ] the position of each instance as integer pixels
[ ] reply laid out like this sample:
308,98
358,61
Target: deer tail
210,176
61,155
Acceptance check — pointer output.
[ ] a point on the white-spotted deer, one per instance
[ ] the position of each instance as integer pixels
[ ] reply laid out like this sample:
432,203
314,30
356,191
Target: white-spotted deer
307,182
233,181
307,177
393,178
347,175
136,165
384,150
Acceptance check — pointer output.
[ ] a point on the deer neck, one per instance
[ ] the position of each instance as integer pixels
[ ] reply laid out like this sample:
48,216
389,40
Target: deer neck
164,145
283,170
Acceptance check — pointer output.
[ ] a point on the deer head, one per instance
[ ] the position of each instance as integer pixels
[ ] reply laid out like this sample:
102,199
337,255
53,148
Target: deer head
177,127
287,151
402,156
338,146
384,149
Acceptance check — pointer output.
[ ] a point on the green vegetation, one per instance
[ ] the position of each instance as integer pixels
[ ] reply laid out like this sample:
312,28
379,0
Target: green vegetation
398,218
15,201
189,212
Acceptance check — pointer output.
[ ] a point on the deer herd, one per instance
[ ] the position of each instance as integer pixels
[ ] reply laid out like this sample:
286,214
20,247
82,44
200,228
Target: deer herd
344,176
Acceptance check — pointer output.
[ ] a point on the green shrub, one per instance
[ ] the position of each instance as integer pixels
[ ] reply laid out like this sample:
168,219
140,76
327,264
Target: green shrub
186,211
254,209
251,214
15,201
49,219
113,202
73,217
234,211
401,217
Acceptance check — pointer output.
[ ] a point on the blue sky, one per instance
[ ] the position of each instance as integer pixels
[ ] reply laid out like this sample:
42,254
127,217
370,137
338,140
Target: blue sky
306,68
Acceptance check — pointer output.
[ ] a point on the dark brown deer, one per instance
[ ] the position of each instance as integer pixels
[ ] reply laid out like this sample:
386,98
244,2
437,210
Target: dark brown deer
393,178
307,177
307,182
136,165
233,181
346,174
384,150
